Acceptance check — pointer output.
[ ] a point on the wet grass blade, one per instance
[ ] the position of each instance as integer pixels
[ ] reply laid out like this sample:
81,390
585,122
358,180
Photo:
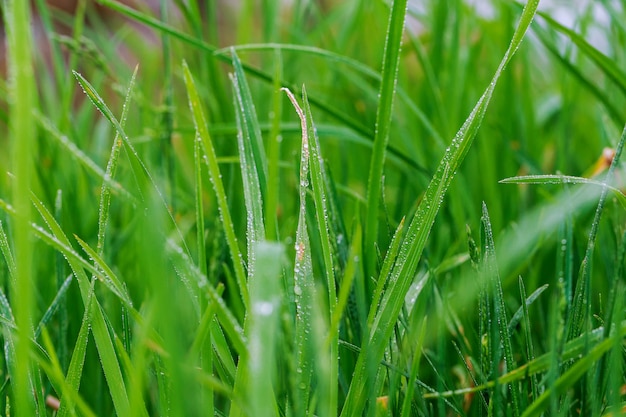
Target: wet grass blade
384,116
304,285
499,310
202,134
401,276
581,305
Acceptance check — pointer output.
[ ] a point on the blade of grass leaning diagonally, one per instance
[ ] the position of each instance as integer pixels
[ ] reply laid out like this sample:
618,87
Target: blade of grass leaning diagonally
99,328
304,285
202,134
384,117
402,273
139,168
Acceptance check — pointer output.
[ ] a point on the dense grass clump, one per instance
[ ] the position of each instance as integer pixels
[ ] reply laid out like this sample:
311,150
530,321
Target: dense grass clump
315,208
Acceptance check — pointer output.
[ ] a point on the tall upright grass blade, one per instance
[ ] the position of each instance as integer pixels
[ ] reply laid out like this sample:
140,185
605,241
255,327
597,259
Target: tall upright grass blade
499,311
401,275
202,134
304,285
272,196
384,116
22,90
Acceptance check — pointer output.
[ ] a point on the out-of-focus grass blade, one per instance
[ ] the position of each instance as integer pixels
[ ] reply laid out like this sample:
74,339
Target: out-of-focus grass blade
402,273
417,355
391,60
607,65
272,196
249,126
266,300
491,269
581,305
54,306
344,118
70,397
304,284
216,179
564,179
82,158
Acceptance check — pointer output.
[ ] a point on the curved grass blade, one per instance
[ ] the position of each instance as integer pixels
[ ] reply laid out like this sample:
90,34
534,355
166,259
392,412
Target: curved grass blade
607,65
391,60
202,134
402,273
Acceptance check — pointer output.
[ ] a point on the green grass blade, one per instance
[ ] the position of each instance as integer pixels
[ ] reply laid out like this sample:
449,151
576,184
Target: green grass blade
581,305
391,60
266,299
273,153
607,65
249,124
322,213
57,302
100,330
200,225
139,168
216,179
564,179
419,229
499,312
22,90
304,285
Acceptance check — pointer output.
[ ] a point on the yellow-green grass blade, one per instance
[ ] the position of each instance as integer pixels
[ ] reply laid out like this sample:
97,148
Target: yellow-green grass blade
202,134
402,274
384,117
22,90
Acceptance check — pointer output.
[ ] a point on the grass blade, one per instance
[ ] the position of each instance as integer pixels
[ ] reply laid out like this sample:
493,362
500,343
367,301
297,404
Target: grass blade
499,312
391,60
304,285
202,134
